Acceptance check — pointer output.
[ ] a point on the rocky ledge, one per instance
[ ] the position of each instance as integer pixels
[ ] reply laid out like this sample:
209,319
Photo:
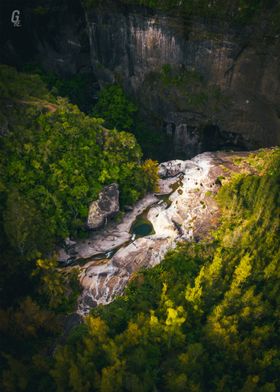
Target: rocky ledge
188,213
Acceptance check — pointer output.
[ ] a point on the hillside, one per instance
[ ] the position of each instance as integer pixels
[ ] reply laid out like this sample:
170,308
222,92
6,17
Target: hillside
205,319
54,161
139,196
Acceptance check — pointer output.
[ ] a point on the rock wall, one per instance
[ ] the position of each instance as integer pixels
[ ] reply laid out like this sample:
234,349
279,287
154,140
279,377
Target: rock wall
234,105
130,45
52,34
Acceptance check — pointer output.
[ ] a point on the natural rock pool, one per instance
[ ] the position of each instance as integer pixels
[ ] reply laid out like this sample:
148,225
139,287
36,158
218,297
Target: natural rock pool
184,209
142,226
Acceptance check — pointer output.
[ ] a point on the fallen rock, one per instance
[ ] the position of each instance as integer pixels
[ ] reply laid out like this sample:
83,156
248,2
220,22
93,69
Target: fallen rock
128,208
173,168
69,243
105,207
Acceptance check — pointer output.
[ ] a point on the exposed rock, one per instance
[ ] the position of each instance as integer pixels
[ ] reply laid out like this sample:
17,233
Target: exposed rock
167,184
103,282
100,283
69,243
192,135
56,39
130,45
105,207
110,237
64,257
190,214
173,168
68,253
142,253
128,208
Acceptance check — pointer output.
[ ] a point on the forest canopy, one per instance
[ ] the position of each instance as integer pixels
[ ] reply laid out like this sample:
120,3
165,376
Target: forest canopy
205,319
54,162
240,11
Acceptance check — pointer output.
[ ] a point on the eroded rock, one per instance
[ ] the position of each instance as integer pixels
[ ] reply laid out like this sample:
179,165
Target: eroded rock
189,213
104,281
105,207
171,168
109,238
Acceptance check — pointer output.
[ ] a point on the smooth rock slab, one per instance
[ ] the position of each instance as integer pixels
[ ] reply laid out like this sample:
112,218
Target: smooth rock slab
110,237
103,282
191,215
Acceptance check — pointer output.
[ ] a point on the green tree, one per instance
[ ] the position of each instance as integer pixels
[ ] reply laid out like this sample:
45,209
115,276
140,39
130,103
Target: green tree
115,108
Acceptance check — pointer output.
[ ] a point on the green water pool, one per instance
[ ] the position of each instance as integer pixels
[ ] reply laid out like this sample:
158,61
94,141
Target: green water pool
142,226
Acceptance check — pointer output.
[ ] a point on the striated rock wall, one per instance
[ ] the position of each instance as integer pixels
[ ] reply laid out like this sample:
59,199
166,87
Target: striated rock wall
222,88
131,45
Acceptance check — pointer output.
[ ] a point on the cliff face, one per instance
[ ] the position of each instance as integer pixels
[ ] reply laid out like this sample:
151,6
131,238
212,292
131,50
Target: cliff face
131,43
132,46
52,35
207,85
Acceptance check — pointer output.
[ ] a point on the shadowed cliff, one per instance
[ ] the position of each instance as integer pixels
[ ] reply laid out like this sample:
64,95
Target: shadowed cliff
207,83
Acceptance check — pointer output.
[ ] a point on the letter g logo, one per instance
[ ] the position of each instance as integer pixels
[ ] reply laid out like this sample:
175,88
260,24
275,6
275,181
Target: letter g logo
15,18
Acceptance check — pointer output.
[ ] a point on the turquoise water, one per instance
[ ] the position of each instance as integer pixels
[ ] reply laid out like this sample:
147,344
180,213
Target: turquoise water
142,229
142,226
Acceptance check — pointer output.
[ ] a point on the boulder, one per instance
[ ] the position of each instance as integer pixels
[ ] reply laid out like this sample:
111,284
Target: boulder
171,168
68,243
105,207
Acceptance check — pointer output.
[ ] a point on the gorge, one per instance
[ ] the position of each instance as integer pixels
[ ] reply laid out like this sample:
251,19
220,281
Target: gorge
189,213
139,196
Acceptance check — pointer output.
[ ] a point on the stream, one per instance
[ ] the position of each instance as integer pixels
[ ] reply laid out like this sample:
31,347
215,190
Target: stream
180,211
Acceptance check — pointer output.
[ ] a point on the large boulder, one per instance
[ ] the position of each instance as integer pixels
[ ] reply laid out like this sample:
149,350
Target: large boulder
105,207
173,168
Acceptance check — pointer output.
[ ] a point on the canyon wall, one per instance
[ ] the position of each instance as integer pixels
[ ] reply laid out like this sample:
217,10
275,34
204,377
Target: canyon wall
51,35
206,84
234,105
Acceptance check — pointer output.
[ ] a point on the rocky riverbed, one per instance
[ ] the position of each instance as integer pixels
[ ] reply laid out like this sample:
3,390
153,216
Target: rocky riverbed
184,209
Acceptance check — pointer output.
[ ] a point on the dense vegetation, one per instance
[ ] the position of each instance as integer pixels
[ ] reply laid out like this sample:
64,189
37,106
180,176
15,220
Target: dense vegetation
54,160
240,11
206,319
115,108
120,112
80,89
